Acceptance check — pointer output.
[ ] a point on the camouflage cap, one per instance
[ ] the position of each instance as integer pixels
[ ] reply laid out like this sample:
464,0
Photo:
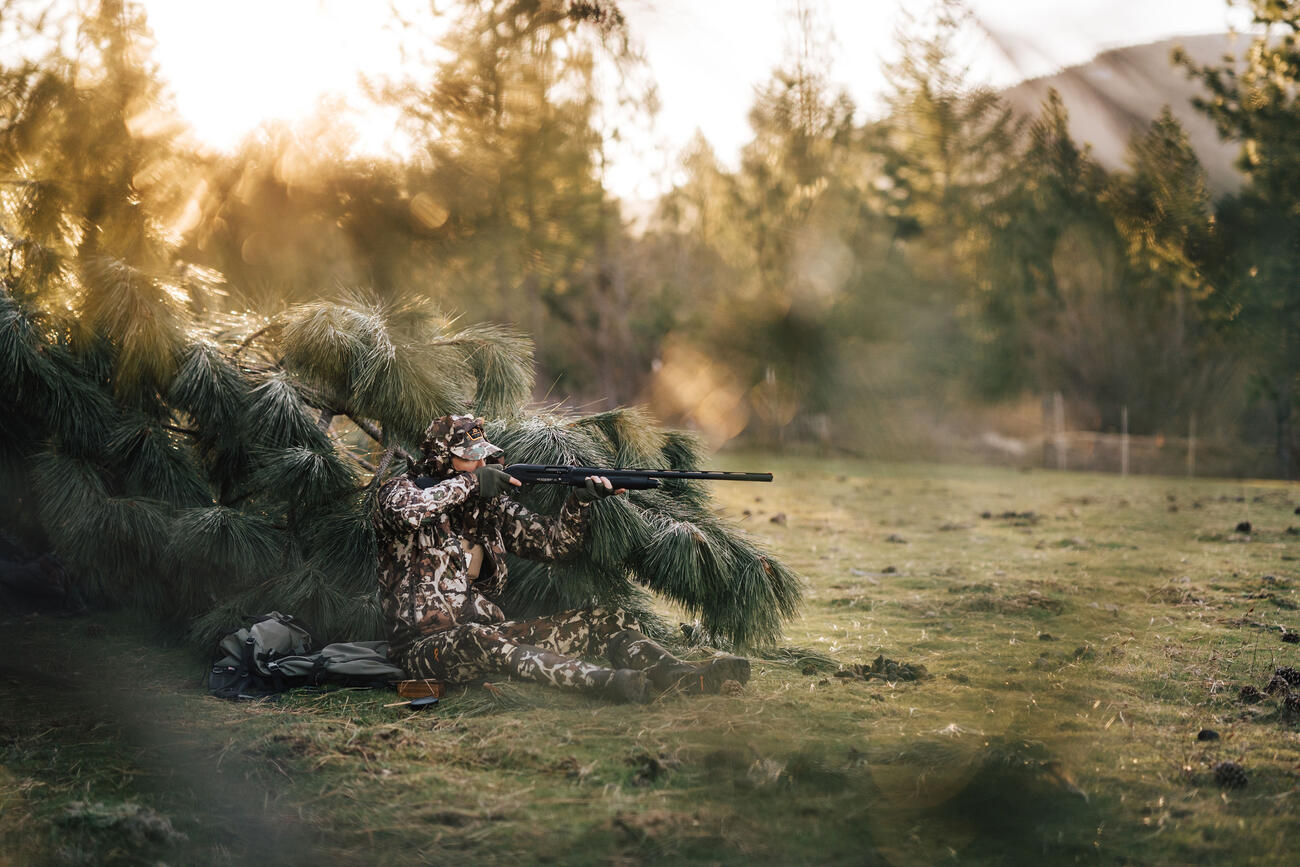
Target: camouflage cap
467,441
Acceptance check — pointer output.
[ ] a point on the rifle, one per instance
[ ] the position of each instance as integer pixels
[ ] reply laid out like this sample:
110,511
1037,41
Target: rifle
621,477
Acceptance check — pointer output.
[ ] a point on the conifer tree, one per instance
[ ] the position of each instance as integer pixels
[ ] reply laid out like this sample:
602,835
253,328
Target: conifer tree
203,465
1255,100
508,179
948,145
1048,222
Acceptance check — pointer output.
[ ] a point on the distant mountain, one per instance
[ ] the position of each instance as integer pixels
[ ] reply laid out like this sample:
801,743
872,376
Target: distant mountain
1123,90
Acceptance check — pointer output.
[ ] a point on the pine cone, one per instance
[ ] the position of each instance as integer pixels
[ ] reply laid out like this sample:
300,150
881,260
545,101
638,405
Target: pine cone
1291,705
1277,685
1292,676
1230,775
1250,695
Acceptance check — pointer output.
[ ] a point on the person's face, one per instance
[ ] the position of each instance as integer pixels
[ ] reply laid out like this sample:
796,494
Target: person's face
461,465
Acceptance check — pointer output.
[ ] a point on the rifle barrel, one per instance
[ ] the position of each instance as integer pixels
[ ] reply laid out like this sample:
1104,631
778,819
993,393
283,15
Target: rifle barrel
539,471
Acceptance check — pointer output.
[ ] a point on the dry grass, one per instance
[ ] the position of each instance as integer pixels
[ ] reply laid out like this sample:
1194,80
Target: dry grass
1078,631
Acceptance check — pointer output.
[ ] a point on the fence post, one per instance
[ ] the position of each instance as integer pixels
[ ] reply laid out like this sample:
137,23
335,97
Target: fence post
1191,445
1058,413
1123,441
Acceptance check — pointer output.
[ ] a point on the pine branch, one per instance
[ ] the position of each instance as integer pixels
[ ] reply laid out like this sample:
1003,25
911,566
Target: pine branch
370,429
360,461
244,344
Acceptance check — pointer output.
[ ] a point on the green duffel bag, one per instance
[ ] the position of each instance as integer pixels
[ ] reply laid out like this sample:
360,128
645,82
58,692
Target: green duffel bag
358,662
273,653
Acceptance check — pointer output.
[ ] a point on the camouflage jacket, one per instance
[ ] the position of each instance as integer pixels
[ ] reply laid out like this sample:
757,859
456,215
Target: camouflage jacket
423,567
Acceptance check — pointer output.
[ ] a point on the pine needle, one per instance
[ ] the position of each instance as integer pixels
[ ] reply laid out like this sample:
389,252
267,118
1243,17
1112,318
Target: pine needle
155,464
619,530
342,537
209,388
138,316
79,413
631,435
405,381
500,360
277,416
224,539
323,341
20,352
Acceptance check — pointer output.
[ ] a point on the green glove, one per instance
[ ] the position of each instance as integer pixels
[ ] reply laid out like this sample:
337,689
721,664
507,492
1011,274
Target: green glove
591,492
492,480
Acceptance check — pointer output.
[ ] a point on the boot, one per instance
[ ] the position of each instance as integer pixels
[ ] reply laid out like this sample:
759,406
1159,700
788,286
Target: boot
704,678
626,686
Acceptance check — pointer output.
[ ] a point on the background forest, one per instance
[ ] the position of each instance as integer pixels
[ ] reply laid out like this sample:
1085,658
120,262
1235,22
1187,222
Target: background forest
857,280
216,346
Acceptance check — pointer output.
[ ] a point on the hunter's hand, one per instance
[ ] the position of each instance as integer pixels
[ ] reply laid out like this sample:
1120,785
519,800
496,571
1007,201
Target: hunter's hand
597,488
493,480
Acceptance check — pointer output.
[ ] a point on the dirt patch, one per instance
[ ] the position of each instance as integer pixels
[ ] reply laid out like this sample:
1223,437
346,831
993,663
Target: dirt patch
1016,519
974,588
651,825
1175,595
1283,602
881,668
454,818
1022,603
651,767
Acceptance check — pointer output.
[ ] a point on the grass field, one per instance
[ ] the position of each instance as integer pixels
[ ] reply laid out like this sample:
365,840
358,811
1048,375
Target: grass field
1077,633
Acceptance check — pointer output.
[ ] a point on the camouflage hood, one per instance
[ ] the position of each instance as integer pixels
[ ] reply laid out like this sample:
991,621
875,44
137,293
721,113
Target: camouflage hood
444,434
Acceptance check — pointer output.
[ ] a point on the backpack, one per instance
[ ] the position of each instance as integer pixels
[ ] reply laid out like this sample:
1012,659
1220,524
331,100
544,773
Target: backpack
273,653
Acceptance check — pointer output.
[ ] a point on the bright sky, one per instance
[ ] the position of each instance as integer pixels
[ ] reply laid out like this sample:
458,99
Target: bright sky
706,56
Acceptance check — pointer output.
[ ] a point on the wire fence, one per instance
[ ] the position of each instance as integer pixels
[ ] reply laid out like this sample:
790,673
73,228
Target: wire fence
901,435
1091,451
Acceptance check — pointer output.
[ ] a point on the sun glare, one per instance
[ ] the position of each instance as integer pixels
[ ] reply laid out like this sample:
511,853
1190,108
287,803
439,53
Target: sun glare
234,66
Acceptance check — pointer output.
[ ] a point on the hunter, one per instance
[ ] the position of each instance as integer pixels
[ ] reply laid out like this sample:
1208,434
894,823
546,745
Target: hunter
442,568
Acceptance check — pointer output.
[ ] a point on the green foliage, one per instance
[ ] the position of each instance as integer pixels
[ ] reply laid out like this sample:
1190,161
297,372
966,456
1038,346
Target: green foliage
181,457
948,147
136,315
633,435
341,533
400,364
1253,100
154,462
20,355
278,417
668,541
210,389
303,476
323,340
232,543
501,363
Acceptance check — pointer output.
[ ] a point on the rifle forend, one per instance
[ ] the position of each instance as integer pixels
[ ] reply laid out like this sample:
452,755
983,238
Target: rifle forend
621,477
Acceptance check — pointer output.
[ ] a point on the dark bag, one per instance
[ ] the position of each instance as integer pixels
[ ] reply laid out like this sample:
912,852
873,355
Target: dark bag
274,653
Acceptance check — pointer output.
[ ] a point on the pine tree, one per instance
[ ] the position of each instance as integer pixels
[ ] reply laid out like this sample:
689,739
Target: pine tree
948,146
1253,100
508,177
1162,211
1047,225
203,465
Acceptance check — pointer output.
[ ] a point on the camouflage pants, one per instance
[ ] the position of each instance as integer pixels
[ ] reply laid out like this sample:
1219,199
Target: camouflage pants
541,650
